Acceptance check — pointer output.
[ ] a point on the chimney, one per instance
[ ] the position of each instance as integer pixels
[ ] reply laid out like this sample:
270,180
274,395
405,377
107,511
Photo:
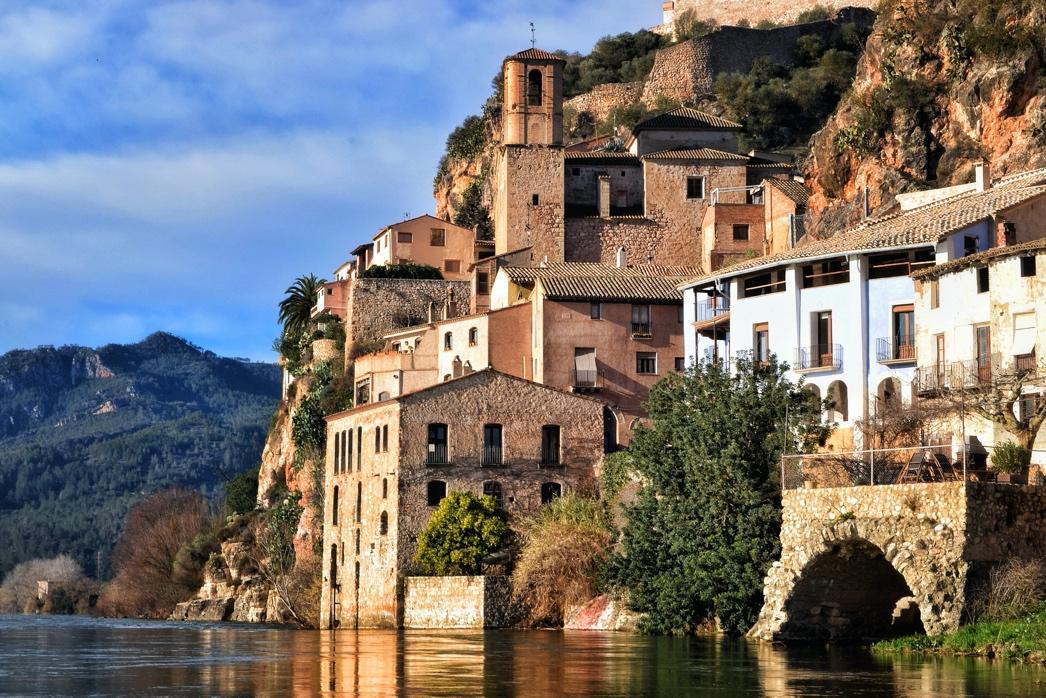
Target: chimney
982,176
604,196
622,258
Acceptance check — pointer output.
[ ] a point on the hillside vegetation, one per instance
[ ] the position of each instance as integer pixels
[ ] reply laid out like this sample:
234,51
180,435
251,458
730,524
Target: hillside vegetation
84,434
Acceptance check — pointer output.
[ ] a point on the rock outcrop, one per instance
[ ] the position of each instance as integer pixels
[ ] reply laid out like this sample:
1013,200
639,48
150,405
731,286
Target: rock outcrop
233,590
942,85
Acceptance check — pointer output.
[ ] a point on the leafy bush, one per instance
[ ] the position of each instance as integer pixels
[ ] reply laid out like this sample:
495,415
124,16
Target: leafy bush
1012,589
1010,458
565,547
473,214
626,57
689,25
467,140
19,589
308,427
402,270
816,13
241,493
462,531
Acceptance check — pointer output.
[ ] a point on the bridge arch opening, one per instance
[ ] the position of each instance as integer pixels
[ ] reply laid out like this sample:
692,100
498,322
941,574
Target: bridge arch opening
851,593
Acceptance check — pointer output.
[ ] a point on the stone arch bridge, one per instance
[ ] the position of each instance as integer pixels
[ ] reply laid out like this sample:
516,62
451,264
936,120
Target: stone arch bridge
862,563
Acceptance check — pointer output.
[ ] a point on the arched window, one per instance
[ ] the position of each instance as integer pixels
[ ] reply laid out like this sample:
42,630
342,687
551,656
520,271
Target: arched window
334,507
838,410
550,491
334,566
357,575
383,525
816,393
448,340
437,490
359,502
534,80
357,541
337,452
889,394
493,489
384,488
609,430
473,336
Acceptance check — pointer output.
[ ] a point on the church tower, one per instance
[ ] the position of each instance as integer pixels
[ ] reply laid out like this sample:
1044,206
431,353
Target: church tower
528,207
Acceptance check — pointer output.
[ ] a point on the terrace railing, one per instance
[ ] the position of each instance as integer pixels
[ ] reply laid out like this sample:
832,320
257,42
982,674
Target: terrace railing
818,356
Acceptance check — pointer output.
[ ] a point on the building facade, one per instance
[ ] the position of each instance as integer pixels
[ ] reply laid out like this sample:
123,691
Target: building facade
390,463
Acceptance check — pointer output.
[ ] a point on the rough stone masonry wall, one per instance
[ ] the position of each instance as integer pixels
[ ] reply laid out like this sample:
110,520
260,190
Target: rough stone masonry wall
733,11
932,534
689,70
457,602
378,306
604,99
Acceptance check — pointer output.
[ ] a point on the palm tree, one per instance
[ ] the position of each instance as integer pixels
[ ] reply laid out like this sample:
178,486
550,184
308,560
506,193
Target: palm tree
296,307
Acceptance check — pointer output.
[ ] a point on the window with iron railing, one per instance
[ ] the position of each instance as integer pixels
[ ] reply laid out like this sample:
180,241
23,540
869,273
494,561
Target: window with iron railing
641,320
550,454
492,455
437,445
818,356
646,362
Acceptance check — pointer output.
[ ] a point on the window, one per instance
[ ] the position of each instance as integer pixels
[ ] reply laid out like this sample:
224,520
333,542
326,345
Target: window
346,451
939,358
534,80
482,283
640,320
493,489
473,336
359,448
935,294
740,231
492,444
1024,330
363,392
891,264
357,543
437,490
680,364
646,362
982,279
534,199
903,332
695,188
405,238
359,503
763,284
448,340
437,444
377,439
839,406
384,488
383,523
983,343
824,334
385,439
586,374
550,444
550,491
337,452
334,507
595,311
835,271
383,395
1028,405
1028,266
969,245
438,237
761,342
452,266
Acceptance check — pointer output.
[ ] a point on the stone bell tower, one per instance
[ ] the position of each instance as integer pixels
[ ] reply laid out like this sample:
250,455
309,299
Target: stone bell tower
528,206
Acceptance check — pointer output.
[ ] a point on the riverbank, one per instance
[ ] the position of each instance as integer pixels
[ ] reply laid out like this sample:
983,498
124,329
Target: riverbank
1021,639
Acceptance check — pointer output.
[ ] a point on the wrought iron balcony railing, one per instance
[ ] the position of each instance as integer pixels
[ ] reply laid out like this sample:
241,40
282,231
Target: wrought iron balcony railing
640,329
587,379
492,456
712,309
550,456
890,349
437,455
818,356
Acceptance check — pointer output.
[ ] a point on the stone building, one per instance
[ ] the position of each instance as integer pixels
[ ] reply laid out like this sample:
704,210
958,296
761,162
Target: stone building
982,321
390,463
841,311
426,240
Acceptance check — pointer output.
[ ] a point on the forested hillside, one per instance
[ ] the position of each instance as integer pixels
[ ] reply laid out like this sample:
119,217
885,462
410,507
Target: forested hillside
85,433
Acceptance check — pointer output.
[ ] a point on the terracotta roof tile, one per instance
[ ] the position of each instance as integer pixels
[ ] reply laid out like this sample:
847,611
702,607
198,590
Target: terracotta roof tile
686,118
589,281
796,191
974,260
604,157
925,225
696,154
536,54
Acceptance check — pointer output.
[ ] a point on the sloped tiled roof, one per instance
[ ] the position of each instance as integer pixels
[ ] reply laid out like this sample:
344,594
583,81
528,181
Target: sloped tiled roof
589,281
695,154
754,161
686,118
985,257
794,190
925,225
604,157
1022,179
536,54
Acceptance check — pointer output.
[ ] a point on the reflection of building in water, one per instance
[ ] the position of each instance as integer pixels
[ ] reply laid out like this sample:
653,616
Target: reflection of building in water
352,663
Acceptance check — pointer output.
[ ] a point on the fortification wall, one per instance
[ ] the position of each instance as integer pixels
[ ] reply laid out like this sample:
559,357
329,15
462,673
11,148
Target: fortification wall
734,11
378,306
457,602
689,70
604,99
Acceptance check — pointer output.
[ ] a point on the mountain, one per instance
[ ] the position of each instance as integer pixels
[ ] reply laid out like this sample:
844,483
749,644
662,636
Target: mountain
85,433
941,86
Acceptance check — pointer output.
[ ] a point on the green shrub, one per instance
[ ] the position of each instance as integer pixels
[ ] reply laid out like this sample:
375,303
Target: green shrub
402,270
689,25
817,13
462,531
241,493
467,140
1010,458
308,427
473,214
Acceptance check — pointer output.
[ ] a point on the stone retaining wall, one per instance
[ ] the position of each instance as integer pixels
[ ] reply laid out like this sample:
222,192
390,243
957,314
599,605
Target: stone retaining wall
378,306
457,602
604,99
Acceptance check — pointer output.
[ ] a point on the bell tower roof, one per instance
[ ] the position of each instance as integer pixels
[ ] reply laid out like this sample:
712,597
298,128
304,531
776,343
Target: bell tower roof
536,54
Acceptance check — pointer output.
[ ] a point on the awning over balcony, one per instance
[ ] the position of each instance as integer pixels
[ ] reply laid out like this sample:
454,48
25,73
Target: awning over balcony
1023,334
585,361
717,322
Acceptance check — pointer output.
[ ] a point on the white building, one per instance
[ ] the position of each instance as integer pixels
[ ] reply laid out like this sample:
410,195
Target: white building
841,311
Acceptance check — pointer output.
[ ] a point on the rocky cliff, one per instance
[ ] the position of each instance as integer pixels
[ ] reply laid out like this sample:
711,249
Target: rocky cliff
942,85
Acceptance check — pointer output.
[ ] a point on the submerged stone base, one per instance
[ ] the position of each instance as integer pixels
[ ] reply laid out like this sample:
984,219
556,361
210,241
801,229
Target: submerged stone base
458,602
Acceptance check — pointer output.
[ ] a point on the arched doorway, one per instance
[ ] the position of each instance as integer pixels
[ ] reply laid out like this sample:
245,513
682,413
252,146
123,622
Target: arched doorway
889,394
839,409
851,593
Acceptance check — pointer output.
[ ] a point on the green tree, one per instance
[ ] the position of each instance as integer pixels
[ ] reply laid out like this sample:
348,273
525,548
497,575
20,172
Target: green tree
241,492
473,214
705,526
401,270
462,531
296,307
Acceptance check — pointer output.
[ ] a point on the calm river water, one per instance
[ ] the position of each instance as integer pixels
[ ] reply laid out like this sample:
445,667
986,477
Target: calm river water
80,656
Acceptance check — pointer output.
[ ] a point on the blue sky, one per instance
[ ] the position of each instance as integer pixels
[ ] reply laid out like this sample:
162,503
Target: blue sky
175,165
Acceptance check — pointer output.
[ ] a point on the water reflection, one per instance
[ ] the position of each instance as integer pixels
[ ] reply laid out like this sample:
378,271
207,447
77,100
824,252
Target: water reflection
75,656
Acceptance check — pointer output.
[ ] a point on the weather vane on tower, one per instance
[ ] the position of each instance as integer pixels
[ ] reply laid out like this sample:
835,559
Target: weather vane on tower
533,37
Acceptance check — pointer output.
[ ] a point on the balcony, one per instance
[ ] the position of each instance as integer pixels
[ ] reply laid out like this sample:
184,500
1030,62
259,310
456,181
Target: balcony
1026,364
492,456
437,455
975,373
890,350
712,309
819,357
641,329
931,379
550,457
587,380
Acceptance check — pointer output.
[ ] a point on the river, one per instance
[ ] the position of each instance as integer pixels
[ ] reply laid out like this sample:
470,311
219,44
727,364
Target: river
59,655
